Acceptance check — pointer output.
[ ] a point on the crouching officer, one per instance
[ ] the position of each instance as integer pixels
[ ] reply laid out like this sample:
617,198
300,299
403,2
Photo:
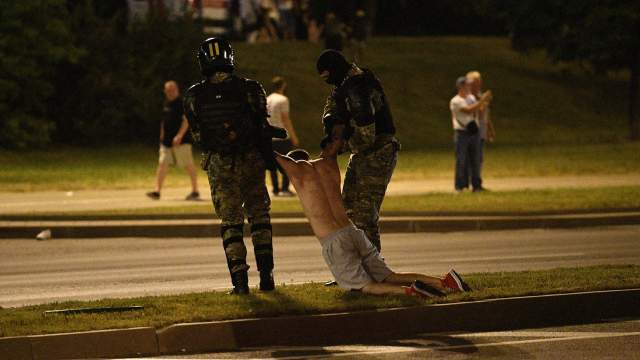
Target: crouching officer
228,118
357,118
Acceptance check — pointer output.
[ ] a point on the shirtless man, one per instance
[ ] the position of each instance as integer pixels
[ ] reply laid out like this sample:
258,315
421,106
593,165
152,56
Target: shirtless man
353,260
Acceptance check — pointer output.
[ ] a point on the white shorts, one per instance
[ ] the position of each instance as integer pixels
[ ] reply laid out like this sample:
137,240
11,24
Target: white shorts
352,259
176,155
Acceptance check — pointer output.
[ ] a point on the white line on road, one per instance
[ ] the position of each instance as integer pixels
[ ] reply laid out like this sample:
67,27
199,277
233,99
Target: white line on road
377,350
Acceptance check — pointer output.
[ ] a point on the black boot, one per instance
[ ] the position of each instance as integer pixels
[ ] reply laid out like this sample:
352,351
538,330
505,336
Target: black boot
240,281
266,281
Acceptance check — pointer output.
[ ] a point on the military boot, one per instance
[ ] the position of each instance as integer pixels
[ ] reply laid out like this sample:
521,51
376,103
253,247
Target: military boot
266,281
240,281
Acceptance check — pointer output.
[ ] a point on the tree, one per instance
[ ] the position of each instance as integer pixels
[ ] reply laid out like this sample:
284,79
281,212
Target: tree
35,38
604,34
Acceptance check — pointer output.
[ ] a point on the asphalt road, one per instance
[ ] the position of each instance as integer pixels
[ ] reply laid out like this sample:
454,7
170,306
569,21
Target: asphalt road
614,339
33,272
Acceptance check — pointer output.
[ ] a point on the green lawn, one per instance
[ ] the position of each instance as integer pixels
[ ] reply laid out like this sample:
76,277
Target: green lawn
160,311
550,119
133,167
535,102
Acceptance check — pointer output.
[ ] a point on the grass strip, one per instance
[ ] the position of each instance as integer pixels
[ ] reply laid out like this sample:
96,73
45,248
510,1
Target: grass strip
311,298
133,167
502,202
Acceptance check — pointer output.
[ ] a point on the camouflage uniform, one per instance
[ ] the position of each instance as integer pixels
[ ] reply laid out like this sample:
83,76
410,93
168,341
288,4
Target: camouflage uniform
227,118
360,104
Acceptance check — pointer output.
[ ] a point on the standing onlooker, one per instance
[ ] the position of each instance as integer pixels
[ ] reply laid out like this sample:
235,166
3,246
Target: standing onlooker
287,19
464,108
278,107
175,142
359,35
334,32
487,132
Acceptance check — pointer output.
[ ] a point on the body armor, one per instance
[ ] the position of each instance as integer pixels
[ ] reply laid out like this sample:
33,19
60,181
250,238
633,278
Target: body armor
360,104
222,116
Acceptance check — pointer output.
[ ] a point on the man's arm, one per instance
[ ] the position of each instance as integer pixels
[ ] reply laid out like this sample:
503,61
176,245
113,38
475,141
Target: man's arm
333,121
161,131
184,126
190,114
286,121
491,131
484,99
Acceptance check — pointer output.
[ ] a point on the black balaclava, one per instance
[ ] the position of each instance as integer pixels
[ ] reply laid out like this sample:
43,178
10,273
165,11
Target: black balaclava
335,63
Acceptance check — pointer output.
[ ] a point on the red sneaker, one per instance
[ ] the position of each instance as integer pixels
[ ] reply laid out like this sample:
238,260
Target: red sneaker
454,282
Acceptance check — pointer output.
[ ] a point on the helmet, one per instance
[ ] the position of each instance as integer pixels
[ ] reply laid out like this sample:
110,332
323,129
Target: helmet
215,54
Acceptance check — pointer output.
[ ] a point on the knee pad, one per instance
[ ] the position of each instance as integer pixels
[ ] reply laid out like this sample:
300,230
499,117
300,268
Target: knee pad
237,227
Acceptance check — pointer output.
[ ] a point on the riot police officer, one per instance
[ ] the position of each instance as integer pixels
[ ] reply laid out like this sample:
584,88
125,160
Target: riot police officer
357,118
228,118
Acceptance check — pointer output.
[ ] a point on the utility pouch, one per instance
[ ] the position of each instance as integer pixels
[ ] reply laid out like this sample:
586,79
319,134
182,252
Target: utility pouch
206,160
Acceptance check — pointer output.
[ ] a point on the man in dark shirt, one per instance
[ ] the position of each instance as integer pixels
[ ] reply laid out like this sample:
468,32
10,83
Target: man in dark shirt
175,142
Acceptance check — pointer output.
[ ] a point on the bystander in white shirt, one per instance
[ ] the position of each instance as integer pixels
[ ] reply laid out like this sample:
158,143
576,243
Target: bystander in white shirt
459,118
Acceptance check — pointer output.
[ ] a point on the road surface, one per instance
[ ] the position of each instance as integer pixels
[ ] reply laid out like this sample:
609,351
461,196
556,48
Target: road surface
33,272
613,339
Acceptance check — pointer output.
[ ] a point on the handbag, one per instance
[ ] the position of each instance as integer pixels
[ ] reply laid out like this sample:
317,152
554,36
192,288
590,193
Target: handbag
471,128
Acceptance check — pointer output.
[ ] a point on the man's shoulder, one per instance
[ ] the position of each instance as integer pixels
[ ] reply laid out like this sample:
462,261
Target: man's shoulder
277,98
456,98
249,84
195,88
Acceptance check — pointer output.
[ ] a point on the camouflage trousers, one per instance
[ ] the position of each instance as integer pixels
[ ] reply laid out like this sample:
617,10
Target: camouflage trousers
238,189
365,184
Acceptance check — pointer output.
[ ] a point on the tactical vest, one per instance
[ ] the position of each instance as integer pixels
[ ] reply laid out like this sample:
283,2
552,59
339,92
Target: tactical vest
363,94
225,117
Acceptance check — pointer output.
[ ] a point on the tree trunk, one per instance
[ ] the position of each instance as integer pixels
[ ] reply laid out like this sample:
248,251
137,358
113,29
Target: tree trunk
634,124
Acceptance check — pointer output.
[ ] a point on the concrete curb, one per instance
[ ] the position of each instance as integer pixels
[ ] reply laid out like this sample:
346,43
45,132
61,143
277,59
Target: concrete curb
82,345
164,228
365,326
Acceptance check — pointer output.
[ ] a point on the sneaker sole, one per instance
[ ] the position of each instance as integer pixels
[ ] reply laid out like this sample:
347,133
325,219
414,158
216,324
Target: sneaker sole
461,284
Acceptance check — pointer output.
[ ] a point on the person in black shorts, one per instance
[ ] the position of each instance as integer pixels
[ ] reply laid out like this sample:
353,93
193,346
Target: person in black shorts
175,142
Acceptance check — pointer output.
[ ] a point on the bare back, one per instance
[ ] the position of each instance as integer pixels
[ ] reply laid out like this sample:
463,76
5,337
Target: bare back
314,200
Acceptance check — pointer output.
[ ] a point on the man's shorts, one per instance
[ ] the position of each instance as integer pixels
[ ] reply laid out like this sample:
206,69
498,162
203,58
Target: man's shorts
352,259
176,155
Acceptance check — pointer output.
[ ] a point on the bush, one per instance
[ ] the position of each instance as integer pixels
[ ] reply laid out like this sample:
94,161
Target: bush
35,39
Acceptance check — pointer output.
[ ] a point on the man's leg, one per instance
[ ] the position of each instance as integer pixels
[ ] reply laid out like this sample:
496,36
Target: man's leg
285,180
407,279
161,174
191,170
283,147
227,201
257,205
461,145
474,161
274,180
365,185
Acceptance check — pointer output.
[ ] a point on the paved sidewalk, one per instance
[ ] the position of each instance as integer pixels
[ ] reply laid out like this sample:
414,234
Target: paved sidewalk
57,201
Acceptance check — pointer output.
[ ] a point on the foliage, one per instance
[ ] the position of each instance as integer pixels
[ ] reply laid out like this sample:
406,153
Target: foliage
604,34
80,75
35,39
114,93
